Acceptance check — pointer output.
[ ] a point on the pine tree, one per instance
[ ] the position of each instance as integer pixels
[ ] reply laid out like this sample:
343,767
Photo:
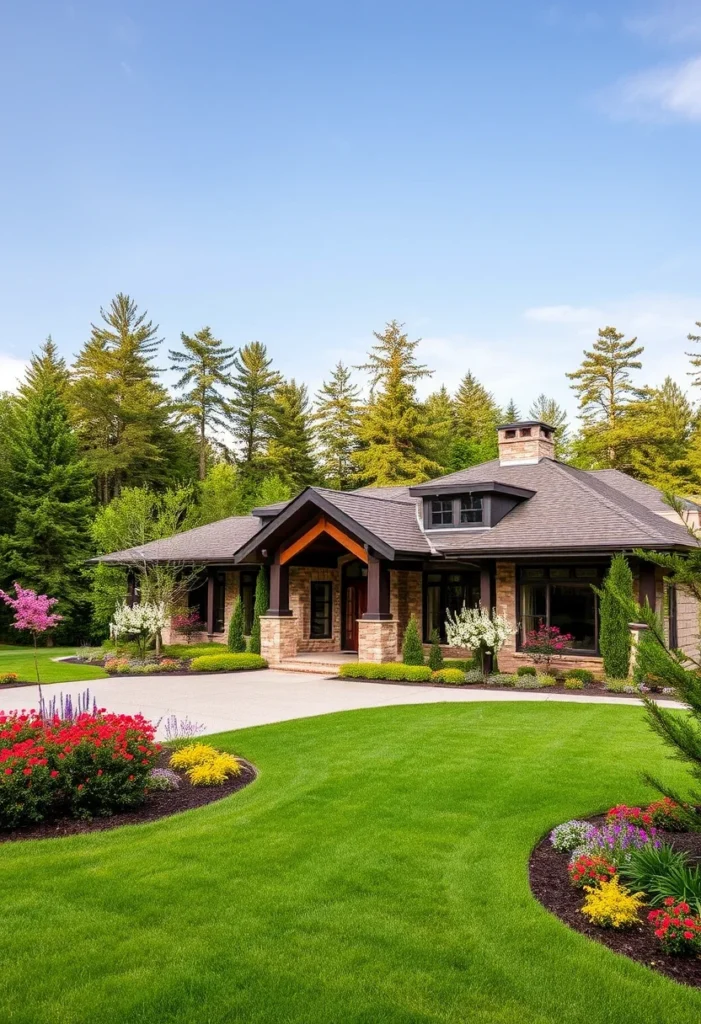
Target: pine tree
261,603
290,452
237,639
664,445
547,410
463,454
50,491
273,490
122,412
439,415
250,408
695,358
605,389
511,413
395,439
615,601
412,649
435,655
336,420
203,368
477,417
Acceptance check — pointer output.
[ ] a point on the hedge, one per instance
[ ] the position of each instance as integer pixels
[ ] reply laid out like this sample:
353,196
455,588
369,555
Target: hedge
227,662
390,670
449,675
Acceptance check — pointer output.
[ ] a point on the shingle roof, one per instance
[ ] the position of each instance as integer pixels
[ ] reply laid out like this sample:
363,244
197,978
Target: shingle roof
203,544
393,520
397,493
636,489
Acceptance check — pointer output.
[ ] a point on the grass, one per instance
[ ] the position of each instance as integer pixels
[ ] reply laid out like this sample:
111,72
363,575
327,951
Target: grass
375,873
21,661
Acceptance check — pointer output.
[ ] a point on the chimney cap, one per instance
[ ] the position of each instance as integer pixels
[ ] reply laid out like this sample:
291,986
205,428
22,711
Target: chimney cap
526,423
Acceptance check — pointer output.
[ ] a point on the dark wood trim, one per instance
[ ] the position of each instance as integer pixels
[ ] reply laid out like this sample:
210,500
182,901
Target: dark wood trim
647,590
378,590
484,487
210,601
131,589
279,591
321,583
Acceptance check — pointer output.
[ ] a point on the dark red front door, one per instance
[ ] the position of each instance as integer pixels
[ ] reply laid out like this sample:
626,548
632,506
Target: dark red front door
355,603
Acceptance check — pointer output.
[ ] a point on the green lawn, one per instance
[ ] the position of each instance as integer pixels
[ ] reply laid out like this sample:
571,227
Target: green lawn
375,873
21,661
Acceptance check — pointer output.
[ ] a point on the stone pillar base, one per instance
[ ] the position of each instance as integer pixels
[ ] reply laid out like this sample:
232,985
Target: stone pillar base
377,640
278,638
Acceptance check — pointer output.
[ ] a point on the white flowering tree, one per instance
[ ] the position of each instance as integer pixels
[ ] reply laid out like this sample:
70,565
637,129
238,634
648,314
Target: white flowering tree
478,631
143,621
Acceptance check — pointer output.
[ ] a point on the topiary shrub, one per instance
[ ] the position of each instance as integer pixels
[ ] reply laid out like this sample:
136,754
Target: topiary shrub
237,639
615,610
227,662
526,670
435,655
582,674
392,671
260,607
412,648
449,675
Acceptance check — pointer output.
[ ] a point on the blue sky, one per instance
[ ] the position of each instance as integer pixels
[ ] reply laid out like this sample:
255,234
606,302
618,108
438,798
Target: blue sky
503,177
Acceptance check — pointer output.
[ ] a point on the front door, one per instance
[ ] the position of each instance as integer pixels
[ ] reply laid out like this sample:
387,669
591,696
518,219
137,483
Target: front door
355,603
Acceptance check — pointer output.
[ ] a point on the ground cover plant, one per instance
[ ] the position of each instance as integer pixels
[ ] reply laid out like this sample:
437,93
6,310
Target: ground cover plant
359,879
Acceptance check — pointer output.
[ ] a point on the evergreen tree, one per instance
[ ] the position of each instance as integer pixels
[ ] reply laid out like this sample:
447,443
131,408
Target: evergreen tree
273,490
237,639
615,601
477,417
605,389
412,649
695,357
664,440
336,421
8,412
395,438
219,494
250,409
203,368
435,655
49,490
290,451
511,413
439,415
547,410
463,453
261,603
122,412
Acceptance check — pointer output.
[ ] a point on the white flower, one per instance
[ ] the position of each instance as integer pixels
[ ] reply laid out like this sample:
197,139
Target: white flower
475,629
142,620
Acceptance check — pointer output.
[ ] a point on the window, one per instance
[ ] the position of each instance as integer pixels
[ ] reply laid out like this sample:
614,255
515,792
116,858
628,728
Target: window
561,596
198,596
510,433
471,509
526,432
248,597
447,590
321,613
441,513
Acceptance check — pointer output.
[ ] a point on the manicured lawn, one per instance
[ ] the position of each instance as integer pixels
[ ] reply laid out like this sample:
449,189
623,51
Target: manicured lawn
375,873
21,661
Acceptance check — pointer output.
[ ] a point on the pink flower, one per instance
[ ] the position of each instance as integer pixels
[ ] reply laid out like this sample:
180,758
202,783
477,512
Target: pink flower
32,610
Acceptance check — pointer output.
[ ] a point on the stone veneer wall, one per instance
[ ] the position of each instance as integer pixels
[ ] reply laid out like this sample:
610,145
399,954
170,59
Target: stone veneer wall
688,623
301,578
377,640
405,601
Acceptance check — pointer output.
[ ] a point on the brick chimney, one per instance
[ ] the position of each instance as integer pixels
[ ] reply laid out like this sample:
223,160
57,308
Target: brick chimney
525,443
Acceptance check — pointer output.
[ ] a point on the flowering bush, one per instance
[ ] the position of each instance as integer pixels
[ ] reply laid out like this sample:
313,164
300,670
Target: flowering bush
33,614
163,778
571,834
8,678
545,643
678,930
94,765
611,905
215,771
616,840
192,754
475,629
142,621
668,815
585,869
189,624
632,815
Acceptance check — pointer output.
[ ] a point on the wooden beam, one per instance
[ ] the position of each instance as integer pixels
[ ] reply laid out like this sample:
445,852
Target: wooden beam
378,591
322,525
210,602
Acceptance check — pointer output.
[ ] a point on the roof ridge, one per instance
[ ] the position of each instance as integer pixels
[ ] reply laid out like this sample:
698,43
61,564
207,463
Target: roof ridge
367,497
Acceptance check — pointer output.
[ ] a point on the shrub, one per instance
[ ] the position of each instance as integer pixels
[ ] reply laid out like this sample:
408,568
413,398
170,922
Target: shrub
570,835
584,674
586,869
574,684
631,815
193,650
260,606
545,643
650,869
669,815
188,624
163,779
237,639
435,655
390,670
526,670
617,841
501,679
449,675
95,764
617,685
113,665
615,610
547,681
8,678
227,662
677,929
192,754
611,905
215,771
473,676
412,648
466,664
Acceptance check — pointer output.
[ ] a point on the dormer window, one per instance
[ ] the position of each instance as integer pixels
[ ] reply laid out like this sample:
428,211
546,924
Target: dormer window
441,513
471,509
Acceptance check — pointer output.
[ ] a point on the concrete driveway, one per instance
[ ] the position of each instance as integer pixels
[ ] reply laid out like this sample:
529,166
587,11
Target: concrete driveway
240,699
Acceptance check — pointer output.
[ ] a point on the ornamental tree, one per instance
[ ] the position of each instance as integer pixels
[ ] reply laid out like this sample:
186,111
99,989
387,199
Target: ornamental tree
144,621
32,613
477,631
545,643
189,624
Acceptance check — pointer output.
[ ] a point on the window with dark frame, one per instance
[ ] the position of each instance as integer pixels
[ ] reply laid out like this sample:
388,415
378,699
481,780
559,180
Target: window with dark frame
198,596
441,513
321,615
447,590
471,509
561,596
248,597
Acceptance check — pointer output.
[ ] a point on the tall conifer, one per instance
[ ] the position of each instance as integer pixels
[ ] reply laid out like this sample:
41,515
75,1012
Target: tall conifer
336,421
290,451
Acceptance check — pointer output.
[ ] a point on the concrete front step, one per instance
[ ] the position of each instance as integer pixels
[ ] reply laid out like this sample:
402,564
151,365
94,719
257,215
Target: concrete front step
319,667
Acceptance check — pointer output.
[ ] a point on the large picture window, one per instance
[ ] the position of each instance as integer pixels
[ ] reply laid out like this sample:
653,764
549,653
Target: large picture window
198,596
447,590
321,611
561,596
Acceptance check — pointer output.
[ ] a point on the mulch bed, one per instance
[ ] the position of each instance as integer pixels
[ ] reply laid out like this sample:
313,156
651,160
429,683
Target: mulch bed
550,884
160,804
588,691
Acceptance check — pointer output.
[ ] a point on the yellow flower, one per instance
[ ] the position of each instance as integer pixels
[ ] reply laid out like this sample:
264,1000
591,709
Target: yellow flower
611,905
215,771
192,754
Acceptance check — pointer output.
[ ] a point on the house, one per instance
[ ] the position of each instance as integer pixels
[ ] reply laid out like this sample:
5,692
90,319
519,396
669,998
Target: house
524,534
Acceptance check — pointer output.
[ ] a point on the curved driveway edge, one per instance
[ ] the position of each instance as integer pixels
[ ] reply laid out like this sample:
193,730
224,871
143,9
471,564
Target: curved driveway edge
238,700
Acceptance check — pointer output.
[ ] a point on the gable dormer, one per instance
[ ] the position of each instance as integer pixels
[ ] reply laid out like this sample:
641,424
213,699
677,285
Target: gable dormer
467,506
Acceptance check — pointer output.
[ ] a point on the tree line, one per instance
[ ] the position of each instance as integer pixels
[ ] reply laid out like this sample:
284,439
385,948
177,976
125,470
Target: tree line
101,455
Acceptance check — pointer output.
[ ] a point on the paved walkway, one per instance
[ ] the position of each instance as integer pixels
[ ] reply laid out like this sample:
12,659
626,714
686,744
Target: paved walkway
241,699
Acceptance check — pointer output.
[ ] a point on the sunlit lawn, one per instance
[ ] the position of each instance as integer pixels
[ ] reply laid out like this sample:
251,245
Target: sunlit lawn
21,661
375,873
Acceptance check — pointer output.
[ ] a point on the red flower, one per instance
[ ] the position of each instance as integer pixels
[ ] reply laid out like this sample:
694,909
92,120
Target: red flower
54,773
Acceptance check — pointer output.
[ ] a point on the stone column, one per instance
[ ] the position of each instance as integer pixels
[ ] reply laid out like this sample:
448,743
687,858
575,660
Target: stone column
377,640
278,638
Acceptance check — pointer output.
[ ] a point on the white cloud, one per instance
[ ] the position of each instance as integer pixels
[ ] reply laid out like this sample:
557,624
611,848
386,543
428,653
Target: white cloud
658,94
11,372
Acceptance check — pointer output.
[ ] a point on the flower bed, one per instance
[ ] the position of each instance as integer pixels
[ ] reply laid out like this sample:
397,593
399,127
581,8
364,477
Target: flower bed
178,660
629,884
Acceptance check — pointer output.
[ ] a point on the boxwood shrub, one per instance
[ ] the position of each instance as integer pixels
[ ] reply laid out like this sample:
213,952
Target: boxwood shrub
455,676
583,674
392,670
466,664
574,684
227,662
526,670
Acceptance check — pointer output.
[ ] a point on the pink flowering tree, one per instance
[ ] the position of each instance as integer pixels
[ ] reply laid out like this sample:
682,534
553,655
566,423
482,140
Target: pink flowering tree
33,613
545,643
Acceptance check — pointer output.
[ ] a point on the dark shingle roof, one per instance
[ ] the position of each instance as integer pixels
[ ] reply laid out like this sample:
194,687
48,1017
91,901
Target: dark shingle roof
393,520
203,544
636,489
397,493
